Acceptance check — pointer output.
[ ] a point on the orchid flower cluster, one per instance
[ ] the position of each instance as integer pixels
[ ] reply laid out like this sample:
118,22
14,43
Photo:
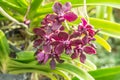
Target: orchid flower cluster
53,40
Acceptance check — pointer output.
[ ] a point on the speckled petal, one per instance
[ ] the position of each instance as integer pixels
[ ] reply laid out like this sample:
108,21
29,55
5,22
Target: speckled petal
70,16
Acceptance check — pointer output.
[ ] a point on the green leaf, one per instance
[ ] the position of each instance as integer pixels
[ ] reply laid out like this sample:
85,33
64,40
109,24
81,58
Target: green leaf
79,73
34,7
13,6
112,3
76,3
88,65
4,46
62,73
103,43
100,11
107,27
112,73
25,55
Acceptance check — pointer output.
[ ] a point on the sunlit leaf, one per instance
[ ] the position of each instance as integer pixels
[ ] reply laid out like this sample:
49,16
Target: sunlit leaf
34,7
25,55
103,43
107,27
80,73
106,73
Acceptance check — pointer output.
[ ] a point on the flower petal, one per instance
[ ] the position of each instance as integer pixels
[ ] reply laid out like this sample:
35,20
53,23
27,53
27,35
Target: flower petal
85,40
56,25
74,55
37,42
89,50
74,35
68,50
57,8
47,56
67,6
91,32
51,17
47,48
76,42
70,16
62,28
39,32
89,26
63,36
52,64
55,36
84,22
59,48
40,56
82,57
80,28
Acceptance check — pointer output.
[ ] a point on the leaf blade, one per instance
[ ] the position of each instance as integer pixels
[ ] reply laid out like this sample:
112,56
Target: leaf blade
103,43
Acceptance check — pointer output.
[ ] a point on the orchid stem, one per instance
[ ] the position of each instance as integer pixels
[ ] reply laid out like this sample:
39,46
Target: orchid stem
85,11
66,24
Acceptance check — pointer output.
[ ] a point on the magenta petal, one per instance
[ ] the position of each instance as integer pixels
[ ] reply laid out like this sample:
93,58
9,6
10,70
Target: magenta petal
67,7
76,42
89,26
62,28
82,57
63,35
70,16
80,28
91,32
89,50
55,36
85,40
54,43
37,42
39,32
57,8
51,17
59,48
56,25
74,55
46,58
84,22
52,64
68,50
40,56
47,48
75,35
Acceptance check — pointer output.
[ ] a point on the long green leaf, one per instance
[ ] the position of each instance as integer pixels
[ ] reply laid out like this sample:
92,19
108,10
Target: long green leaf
34,7
107,27
80,73
25,55
103,43
106,74
4,47
112,3
62,73
13,6
88,65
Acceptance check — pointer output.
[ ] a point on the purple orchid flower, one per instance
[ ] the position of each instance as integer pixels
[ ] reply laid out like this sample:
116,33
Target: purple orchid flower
64,11
52,40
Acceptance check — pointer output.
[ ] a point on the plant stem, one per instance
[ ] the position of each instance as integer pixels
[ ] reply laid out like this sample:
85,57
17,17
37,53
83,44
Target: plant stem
11,18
